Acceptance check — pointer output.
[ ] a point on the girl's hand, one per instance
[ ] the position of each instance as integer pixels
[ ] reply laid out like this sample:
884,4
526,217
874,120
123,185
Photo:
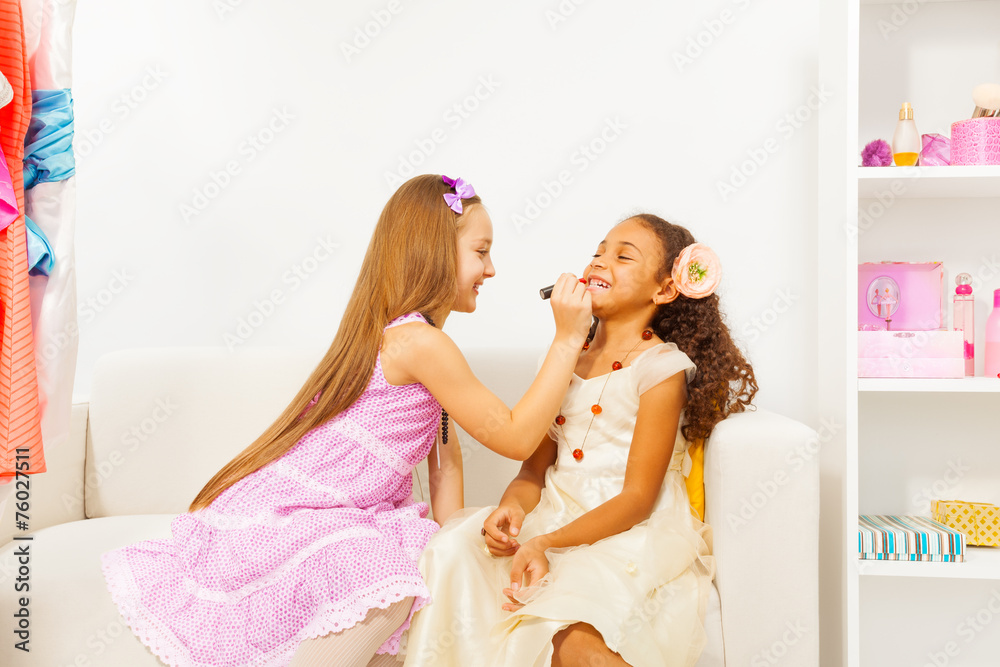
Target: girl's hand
501,527
571,309
530,564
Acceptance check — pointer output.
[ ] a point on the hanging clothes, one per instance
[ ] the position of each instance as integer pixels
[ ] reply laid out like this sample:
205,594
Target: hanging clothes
8,200
6,92
48,146
50,214
48,158
20,416
40,258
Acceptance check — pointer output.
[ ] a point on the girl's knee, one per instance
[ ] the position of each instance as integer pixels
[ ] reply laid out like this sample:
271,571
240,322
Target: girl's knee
568,643
581,645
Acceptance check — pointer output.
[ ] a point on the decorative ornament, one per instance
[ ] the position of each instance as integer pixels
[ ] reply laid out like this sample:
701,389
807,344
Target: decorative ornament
697,271
877,153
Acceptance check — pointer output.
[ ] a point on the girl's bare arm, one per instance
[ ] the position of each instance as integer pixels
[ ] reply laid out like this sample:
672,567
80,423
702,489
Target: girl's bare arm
649,457
445,481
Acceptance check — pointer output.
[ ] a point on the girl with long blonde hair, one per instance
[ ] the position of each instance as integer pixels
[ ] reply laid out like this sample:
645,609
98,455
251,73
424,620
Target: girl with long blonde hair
303,549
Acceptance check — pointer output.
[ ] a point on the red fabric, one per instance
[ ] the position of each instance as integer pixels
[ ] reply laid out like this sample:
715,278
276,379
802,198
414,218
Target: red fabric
20,417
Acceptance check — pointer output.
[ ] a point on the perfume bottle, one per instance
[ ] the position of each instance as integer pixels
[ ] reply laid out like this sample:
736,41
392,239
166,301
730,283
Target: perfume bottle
905,140
964,319
993,339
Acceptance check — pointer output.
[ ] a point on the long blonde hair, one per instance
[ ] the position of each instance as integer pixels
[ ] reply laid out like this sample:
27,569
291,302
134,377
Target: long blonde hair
410,265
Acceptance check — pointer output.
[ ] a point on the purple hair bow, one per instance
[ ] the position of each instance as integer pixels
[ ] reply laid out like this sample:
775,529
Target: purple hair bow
463,190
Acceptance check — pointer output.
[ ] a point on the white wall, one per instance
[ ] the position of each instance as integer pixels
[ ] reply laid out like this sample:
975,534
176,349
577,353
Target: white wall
169,94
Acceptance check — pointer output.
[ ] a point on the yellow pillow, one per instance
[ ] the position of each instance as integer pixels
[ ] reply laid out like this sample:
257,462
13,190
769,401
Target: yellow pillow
695,480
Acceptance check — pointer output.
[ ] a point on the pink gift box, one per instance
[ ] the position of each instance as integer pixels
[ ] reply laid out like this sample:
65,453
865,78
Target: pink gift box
916,354
912,291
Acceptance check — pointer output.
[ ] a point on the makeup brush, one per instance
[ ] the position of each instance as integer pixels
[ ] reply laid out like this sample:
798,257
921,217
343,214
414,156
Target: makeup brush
987,99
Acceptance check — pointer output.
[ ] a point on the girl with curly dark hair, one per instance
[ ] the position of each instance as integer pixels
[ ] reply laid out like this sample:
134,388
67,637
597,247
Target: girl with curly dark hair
725,382
596,538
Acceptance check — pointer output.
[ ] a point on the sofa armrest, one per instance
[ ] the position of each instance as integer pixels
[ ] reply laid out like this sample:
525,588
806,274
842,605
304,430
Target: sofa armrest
762,501
56,495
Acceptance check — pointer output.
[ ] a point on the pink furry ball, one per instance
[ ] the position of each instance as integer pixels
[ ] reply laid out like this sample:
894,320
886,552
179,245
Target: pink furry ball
877,153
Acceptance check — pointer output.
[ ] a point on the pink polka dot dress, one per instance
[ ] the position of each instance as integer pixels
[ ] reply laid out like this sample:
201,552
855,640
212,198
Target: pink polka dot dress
305,546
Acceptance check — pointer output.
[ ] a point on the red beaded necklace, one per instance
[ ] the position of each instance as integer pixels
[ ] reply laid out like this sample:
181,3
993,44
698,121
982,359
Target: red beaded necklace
595,409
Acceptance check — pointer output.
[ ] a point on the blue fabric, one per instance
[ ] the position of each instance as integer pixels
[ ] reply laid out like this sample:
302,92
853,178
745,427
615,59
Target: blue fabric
48,144
40,255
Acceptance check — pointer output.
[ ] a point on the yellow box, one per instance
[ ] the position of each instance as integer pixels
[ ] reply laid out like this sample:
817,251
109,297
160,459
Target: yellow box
979,522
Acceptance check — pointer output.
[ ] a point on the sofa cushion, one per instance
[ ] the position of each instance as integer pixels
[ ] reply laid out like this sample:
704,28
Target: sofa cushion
164,421
57,495
73,619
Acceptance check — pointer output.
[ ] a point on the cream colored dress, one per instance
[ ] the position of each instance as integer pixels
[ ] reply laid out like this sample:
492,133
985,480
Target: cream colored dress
645,590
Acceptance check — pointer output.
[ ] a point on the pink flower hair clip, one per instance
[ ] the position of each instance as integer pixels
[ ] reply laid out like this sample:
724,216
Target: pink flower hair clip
697,271
463,190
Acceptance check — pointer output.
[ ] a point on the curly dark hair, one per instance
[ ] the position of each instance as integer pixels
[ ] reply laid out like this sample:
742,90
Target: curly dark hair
725,382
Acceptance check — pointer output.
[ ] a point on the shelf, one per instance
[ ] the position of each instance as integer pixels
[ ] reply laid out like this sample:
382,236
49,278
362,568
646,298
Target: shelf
957,385
980,563
890,2
928,182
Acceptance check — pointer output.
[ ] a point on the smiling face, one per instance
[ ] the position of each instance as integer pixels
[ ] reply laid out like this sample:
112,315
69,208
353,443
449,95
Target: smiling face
624,274
474,263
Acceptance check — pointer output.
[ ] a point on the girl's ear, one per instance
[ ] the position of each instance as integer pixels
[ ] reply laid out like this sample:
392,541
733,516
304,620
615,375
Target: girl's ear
668,292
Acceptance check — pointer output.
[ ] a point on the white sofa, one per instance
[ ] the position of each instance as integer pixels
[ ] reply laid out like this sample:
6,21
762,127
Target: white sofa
160,422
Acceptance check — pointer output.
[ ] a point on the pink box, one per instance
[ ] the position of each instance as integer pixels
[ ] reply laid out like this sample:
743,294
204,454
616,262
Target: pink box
913,291
906,354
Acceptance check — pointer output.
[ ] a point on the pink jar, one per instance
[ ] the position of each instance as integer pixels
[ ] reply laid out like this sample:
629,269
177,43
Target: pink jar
975,141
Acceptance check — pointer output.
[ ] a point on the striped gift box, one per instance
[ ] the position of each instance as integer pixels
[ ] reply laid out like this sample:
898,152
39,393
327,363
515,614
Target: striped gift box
914,538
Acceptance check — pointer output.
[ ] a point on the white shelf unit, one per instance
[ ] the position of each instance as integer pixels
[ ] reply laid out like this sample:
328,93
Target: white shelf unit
980,563
912,440
957,385
930,182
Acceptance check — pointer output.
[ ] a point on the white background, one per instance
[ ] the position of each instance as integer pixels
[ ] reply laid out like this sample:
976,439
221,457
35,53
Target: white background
147,144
